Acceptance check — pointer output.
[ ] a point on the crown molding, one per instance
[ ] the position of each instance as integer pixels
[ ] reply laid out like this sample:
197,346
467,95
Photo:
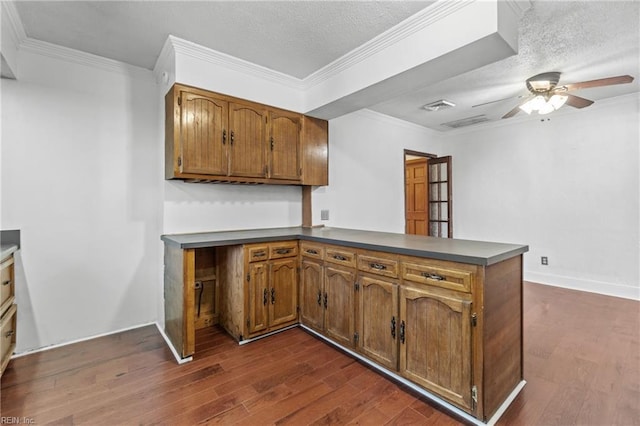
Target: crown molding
82,58
417,22
16,27
215,57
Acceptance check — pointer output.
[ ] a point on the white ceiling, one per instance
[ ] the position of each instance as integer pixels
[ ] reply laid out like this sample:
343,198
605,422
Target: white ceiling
584,40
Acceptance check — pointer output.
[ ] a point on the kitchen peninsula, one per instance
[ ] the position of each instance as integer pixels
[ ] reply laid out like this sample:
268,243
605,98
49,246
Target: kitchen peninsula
443,316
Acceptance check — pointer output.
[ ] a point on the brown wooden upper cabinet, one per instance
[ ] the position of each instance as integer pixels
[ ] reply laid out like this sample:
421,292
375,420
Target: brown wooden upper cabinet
217,138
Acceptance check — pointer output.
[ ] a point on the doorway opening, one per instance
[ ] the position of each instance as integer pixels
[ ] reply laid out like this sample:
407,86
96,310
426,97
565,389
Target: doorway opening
427,194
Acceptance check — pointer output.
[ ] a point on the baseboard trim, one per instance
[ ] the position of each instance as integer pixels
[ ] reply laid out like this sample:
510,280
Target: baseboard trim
262,336
590,286
84,339
177,356
442,403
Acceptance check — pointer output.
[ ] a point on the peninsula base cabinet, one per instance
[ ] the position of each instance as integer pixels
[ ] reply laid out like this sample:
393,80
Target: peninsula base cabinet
453,329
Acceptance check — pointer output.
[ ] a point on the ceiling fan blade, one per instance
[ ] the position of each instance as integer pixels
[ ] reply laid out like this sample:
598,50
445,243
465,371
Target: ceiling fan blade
517,108
498,100
577,101
621,79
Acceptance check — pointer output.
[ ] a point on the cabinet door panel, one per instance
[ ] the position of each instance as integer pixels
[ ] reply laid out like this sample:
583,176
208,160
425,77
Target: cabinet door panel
311,294
258,297
203,146
283,306
378,321
339,308
284,146
436,352
247,128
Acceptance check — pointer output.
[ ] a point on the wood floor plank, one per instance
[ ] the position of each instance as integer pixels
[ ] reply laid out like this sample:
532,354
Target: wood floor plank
581,363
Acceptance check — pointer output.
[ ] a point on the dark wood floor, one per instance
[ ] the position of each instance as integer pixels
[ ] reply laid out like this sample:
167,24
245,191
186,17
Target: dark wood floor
582,365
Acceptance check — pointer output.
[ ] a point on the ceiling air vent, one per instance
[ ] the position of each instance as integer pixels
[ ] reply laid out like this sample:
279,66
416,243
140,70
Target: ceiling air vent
469,121
438,105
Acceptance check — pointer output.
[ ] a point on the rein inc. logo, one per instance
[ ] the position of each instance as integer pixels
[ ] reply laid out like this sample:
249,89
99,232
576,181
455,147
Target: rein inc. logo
17,421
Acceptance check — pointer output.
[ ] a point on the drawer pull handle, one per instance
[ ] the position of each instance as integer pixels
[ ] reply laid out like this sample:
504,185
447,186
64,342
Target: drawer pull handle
259,254
431,276
273,296
378,266
338,257
264,297
9,333
393,327
7,282
283,251
319,298
312,251
402,331
325,300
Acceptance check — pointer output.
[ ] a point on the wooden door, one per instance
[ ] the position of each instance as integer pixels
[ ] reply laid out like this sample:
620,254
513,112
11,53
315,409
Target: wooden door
416,207
378,321
284,145
339,306
258,298
203,148
283,279
312,294
435,341
247,137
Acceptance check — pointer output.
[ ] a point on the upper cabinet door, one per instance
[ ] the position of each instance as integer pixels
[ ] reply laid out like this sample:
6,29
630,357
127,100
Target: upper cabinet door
203,134
247,137
284,145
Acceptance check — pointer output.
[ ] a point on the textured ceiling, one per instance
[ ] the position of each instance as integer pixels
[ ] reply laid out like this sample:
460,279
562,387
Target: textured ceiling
583,40
293,37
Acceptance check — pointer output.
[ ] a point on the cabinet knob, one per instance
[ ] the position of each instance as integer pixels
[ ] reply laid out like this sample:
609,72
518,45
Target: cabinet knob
232,137
7,282
9,333
224,137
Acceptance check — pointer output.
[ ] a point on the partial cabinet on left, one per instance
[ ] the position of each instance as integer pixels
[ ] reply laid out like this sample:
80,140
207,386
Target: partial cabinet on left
8,312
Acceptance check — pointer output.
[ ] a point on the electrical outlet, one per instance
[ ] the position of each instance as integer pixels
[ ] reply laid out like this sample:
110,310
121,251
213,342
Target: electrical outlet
544,260
324,214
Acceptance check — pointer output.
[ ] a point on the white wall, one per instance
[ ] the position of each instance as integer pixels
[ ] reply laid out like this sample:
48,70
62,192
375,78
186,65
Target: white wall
80,171
366,170
567,187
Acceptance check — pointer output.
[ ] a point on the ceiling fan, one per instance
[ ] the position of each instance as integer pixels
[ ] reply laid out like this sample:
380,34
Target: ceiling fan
546,96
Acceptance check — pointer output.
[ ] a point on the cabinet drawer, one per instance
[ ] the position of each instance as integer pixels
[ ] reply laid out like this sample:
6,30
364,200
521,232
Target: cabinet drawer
258,253
285,249
7,287
312,250
378,265
7,336
438,275
340,256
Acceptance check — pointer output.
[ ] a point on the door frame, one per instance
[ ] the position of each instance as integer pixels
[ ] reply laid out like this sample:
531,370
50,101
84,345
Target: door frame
409,152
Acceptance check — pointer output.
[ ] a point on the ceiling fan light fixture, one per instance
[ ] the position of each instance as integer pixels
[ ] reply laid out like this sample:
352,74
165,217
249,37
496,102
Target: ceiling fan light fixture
540,85
542,105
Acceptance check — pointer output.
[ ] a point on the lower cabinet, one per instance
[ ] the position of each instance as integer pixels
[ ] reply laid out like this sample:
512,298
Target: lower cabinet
264,296
378,320
312,293
435,342
339,324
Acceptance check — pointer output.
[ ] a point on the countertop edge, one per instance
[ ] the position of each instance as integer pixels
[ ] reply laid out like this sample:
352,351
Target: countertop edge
303,234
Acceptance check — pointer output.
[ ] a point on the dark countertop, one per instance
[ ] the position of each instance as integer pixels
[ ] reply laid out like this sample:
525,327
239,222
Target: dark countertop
464,251
7,250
